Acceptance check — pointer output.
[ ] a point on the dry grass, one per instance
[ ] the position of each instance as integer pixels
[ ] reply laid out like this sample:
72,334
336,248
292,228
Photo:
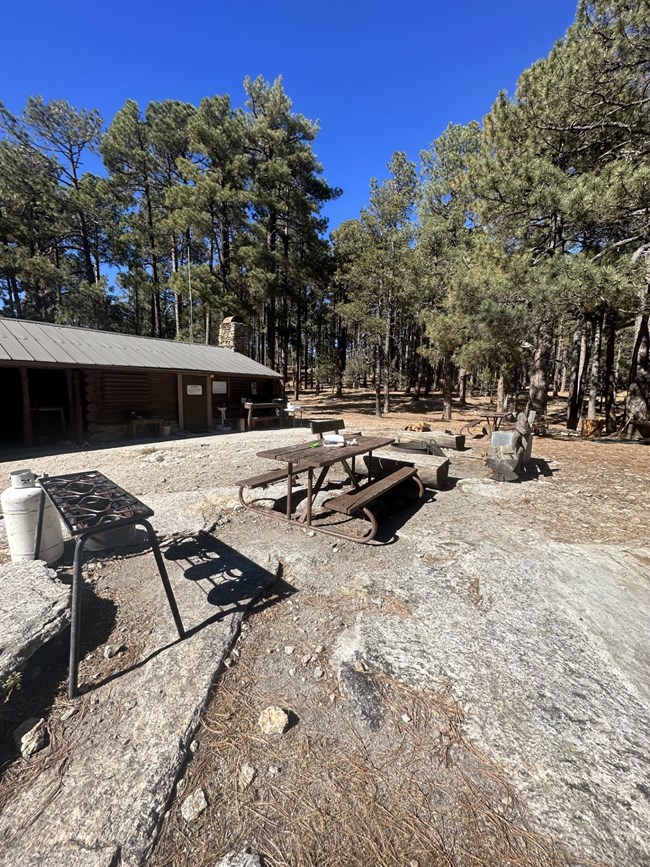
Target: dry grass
413,792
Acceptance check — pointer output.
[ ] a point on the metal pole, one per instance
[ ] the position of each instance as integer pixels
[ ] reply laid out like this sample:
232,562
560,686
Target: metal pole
75,618
289,488
39,526
164,577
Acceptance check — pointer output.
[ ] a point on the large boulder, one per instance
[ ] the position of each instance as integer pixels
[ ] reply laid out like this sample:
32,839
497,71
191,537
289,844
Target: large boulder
34,607
510,451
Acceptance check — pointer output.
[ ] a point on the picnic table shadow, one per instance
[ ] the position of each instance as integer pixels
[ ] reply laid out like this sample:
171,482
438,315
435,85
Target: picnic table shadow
393,509
230,581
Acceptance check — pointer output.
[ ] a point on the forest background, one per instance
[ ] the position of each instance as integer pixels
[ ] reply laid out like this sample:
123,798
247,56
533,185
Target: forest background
515,255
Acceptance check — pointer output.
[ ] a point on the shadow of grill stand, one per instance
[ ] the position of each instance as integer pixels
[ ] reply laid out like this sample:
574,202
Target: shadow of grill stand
89,503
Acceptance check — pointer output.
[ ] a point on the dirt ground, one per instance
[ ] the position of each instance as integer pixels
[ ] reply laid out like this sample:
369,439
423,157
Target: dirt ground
387,779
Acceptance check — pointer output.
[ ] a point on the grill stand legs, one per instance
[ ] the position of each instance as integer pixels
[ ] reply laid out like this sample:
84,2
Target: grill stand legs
75,615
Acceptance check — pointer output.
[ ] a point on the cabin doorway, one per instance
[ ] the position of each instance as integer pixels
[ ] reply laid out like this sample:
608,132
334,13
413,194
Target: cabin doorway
36,407
195,402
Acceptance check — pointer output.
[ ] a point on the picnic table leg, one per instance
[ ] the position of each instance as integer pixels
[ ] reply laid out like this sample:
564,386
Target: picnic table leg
350,472
315,490
310,485
289,487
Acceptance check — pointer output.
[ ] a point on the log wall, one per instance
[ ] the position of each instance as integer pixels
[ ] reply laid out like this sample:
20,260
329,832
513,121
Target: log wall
109,397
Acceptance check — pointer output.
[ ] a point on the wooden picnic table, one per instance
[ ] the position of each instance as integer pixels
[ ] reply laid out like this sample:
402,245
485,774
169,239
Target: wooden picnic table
314,455
491,419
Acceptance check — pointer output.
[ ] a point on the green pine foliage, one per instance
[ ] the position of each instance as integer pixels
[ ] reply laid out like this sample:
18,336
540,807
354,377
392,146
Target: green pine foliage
517,252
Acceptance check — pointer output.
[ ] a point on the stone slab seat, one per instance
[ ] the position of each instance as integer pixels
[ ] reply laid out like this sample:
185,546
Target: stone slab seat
359,500
433,471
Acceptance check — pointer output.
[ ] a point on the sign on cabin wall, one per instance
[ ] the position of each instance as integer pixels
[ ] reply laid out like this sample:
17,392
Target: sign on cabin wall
253,388
195,389
219,387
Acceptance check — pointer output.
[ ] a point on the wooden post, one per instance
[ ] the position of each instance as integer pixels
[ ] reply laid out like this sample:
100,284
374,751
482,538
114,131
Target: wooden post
208,389
77,413
71,428
179,393
28,433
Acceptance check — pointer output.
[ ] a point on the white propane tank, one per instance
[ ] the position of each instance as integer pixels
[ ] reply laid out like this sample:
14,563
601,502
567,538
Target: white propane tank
20,510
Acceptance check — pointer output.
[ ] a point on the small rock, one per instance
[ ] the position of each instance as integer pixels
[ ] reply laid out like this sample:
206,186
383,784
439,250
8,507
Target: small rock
273,720
306,659
289,649
112,650
319,648
318,673
273,770
246,776
241,859
194,747
193,806
292,671
227,663
70,712
406,718
30,737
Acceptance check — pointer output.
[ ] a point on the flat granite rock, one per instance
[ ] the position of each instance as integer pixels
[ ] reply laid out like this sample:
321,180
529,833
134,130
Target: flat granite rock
550,658
34,607
126,746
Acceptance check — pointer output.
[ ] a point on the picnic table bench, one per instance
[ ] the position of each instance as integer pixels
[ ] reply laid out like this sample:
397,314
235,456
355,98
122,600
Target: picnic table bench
364,496
265,479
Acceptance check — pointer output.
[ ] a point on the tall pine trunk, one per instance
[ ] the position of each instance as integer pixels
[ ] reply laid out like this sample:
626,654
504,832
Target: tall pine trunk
501,393
637,407
377,383
610,377
462,386
341,356
574,378
447,388
594,376
538,393
386,360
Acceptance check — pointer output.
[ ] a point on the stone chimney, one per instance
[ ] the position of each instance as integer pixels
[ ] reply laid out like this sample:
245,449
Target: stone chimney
233,334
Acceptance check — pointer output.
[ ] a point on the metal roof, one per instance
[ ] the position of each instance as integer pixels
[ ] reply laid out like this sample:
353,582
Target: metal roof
43,343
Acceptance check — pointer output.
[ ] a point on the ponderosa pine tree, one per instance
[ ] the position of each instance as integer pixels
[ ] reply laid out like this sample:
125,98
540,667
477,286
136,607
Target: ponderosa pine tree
33,268
287,194
376,263
444,241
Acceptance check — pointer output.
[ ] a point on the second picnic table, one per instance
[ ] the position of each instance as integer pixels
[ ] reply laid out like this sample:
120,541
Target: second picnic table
491,419
310,456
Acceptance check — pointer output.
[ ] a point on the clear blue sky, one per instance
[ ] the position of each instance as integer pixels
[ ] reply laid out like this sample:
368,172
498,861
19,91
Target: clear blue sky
379,76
